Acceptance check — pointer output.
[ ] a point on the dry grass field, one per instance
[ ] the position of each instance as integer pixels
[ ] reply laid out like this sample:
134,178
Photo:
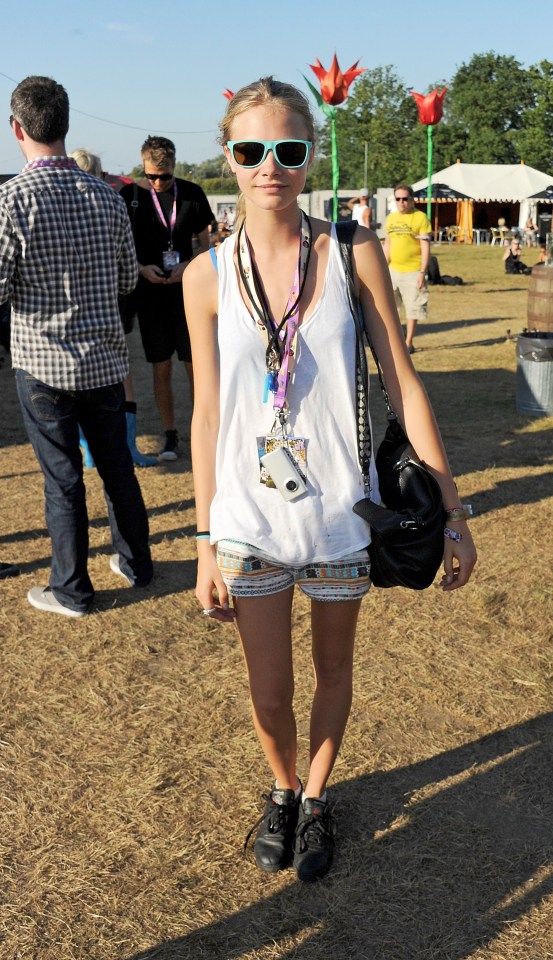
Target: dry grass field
129,772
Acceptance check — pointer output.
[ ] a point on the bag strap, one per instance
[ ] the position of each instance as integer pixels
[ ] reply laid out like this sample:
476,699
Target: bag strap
134,207
345,230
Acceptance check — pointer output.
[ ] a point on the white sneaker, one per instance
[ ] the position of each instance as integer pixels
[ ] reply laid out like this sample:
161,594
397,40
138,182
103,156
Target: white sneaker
43,599
114,565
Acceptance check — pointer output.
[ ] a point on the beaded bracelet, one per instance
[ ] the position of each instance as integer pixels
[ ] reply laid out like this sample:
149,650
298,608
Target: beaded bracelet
452,534
458,513
203,535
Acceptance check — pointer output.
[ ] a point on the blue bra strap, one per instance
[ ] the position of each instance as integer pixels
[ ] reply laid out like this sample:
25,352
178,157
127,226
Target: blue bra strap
214,258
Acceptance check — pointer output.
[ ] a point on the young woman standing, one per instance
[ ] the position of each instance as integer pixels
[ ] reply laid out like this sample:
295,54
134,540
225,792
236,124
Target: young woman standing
273,344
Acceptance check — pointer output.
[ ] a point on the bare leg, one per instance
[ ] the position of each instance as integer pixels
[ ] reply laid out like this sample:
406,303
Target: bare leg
264,624
128,388
411,327
333,628
163,393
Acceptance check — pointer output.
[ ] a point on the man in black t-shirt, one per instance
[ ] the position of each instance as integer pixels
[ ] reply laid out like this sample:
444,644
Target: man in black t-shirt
165,215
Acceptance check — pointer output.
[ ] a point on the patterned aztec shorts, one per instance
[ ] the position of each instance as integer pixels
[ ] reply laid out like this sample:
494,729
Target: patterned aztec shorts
246,574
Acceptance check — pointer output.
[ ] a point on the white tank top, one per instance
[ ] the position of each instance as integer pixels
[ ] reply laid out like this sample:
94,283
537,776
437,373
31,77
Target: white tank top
321,396
358,214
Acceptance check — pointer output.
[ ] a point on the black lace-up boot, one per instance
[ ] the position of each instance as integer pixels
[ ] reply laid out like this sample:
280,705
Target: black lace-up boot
273,844
314,841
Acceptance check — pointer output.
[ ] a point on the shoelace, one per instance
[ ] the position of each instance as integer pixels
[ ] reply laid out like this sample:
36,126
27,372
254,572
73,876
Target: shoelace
314,830
276,818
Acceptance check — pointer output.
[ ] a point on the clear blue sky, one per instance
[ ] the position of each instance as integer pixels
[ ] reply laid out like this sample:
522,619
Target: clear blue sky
134,68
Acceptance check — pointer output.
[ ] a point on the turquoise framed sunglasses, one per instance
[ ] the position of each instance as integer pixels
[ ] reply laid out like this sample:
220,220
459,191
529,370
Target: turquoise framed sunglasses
290,154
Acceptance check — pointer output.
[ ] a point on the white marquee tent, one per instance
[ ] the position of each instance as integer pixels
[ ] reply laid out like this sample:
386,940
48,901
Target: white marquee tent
508,182
489,182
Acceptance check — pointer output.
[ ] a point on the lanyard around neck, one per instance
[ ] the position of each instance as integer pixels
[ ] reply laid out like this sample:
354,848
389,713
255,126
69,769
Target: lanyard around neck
61,163
171,225
280,337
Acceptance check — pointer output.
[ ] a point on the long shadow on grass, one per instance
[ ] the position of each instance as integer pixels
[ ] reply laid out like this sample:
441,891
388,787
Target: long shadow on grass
446,325
434,875
99,523
476,411
170,577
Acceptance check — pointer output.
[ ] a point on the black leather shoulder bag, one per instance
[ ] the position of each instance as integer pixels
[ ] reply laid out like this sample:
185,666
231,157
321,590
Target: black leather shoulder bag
407,529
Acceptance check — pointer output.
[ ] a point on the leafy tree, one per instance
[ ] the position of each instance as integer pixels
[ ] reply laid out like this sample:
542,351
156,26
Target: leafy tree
488,99
534,142
379,112
211,175
137,172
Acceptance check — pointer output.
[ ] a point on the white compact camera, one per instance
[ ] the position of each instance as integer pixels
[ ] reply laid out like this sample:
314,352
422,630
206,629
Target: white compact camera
284,472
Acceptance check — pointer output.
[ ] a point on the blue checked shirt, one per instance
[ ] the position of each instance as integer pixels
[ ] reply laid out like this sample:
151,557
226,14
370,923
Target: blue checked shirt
66,252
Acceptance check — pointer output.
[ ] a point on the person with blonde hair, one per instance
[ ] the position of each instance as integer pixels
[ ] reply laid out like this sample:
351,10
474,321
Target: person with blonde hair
88,161
275,456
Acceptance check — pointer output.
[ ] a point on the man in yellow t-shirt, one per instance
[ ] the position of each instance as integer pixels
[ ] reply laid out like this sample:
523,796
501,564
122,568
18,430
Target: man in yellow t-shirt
407,250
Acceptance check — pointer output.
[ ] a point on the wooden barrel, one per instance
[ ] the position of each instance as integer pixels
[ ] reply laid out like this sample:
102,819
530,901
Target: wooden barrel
540,299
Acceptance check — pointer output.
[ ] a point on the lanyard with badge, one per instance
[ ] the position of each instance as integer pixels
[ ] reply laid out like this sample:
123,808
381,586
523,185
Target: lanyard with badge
280,342
170,256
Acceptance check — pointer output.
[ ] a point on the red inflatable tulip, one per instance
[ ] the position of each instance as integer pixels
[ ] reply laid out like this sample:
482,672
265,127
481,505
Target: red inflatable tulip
334,83
430,106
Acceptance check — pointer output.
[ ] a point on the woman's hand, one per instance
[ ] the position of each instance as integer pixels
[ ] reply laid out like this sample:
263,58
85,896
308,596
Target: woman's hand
210,587
459,559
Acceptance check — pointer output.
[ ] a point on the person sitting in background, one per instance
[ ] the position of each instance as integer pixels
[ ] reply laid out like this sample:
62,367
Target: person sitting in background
503,229
511,257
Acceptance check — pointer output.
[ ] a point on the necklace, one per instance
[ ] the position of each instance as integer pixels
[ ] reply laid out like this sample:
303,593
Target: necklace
280,337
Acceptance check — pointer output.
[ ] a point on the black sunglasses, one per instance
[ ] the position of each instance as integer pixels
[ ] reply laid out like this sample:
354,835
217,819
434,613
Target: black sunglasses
12,118
402,199
291,154
159,176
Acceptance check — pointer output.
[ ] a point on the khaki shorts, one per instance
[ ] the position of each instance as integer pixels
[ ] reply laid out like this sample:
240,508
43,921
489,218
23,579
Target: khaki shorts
407,293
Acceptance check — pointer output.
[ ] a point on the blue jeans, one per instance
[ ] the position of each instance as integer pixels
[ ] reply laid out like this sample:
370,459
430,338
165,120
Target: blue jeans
52,419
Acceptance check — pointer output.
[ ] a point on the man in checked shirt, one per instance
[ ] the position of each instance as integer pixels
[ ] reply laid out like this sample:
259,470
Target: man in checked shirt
66,251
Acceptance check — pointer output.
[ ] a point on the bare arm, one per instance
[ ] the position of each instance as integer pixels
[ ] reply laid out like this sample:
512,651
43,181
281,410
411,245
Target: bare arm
408,395
425,253
200,300
425,261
